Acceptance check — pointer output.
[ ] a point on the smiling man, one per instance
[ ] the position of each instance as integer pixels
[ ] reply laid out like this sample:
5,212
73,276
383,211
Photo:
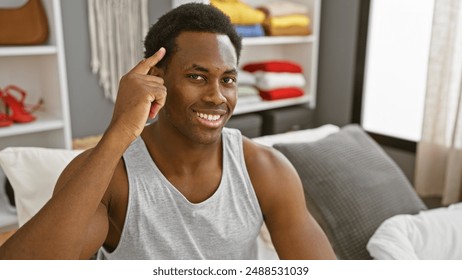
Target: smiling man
183,187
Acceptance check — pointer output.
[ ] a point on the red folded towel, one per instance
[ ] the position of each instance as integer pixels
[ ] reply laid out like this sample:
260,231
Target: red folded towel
281,93
274,66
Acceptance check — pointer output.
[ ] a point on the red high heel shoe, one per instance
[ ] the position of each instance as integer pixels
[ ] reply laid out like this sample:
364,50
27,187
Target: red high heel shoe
18,111
4,119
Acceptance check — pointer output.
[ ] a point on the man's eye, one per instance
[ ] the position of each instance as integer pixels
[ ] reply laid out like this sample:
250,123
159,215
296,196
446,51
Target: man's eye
229,80
196,77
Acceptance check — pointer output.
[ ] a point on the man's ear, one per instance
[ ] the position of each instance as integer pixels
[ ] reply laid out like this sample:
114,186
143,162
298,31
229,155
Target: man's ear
155,71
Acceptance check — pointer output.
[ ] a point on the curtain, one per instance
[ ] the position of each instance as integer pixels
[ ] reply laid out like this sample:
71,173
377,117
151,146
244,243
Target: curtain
439,153
117,30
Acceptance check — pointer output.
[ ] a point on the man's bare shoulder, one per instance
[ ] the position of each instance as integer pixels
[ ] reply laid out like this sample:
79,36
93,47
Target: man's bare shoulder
258,157
269,169
274,179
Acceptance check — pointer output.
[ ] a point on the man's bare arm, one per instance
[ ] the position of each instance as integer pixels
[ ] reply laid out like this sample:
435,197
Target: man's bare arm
294,232
75,220
59,229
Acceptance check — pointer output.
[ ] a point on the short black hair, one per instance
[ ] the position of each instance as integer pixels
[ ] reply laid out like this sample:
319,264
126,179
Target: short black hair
195,17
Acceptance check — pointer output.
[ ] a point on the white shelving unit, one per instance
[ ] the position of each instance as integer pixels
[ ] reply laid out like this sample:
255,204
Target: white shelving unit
277,40
249,105
41,71
300,49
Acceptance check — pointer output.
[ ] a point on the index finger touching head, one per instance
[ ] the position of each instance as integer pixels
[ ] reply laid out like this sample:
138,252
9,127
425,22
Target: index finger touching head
146,64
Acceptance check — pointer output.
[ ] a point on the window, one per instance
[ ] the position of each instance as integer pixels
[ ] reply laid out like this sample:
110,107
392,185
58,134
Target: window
395,73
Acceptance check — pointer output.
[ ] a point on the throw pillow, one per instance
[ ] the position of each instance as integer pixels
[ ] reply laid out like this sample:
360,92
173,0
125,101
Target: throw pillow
351,186
33,173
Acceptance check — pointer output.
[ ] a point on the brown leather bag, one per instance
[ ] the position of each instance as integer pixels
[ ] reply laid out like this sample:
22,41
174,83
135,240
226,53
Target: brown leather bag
26,25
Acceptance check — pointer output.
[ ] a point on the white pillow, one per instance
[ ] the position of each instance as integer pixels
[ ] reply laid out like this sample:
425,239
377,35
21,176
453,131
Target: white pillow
431,235
33,173
298,136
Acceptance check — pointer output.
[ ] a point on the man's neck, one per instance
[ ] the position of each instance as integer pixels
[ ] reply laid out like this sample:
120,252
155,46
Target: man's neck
166,143
193,169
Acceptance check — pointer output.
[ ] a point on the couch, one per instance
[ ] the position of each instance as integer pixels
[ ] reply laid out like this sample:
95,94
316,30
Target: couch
359,196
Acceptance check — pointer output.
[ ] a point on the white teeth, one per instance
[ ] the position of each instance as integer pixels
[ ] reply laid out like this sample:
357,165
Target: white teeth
208,116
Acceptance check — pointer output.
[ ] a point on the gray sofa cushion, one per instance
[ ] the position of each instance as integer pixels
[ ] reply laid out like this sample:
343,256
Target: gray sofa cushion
351,186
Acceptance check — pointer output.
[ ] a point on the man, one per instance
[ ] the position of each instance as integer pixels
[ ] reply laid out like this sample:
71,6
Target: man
183,187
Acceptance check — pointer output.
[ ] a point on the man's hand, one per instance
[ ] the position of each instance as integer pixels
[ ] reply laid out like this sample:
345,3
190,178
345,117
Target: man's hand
140,97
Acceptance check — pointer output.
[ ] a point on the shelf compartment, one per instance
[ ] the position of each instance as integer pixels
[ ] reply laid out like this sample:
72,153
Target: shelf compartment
41,71
41,124
248,105
28,50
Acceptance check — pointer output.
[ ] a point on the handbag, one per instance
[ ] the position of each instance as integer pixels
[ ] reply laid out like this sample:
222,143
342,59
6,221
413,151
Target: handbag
25,25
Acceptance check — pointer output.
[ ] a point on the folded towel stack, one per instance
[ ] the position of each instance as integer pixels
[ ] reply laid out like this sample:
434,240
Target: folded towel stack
285,18
278,79
247,85
246,19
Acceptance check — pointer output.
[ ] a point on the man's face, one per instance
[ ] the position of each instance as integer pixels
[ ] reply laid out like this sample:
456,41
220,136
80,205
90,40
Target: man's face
201,85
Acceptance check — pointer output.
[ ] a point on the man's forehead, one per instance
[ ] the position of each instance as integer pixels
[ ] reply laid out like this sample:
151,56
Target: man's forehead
199,41
204,49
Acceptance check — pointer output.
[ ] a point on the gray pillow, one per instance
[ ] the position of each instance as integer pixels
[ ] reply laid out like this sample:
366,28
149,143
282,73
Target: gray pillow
351,186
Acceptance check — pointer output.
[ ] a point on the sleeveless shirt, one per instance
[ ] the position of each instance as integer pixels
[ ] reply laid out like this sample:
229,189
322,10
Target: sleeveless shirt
161,223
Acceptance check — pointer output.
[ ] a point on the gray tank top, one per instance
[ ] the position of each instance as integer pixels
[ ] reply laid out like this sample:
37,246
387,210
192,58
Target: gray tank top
162,224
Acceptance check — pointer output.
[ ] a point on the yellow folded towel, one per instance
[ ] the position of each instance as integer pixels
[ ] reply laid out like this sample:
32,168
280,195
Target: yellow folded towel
238,12
287,21
288,31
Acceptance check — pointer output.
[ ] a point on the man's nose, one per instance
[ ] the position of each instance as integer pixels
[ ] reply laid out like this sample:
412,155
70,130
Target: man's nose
215,93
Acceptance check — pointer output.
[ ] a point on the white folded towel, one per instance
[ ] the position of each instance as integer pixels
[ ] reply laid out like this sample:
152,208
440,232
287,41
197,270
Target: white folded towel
246,78
267,81
247,91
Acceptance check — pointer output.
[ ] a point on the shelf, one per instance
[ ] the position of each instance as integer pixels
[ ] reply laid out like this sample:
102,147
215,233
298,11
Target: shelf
40,70
277,40
250,104
28,50
42,123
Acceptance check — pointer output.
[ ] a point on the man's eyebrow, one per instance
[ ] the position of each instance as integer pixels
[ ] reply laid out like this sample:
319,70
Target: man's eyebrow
200,68
231,71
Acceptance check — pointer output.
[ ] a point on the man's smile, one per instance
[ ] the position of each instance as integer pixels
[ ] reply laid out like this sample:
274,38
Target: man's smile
210,117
